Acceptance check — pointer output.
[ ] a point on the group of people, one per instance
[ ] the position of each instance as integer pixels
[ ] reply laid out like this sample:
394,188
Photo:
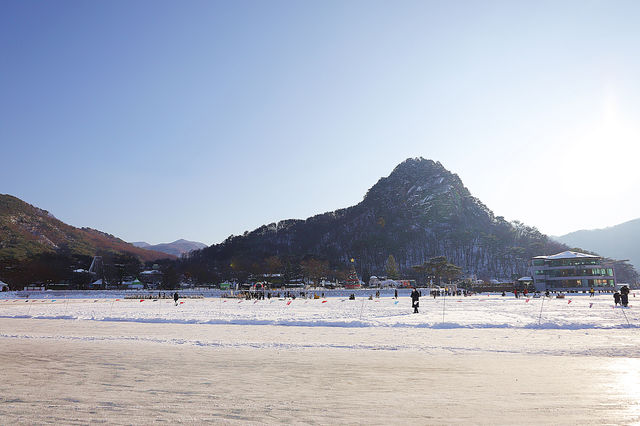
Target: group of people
517,294
415,297
261,295
622,297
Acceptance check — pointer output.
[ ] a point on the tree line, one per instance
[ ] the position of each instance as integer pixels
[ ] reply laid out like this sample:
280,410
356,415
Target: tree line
63,267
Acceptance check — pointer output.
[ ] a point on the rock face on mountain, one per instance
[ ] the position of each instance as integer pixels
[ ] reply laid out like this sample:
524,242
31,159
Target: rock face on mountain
26,230
176,248
420,210
619,241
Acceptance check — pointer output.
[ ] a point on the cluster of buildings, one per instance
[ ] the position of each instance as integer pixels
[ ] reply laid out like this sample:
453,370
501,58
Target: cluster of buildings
566,271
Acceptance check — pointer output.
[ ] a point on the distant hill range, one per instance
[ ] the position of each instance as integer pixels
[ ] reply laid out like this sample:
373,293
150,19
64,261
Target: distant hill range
26,230
176,248
420,210
619,241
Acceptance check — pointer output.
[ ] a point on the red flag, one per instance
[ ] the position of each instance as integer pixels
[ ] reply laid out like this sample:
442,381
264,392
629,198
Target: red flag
527,300
289,302
569,301
324,301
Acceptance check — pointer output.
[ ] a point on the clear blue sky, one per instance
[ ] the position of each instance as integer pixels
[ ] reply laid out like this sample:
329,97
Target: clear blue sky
156,120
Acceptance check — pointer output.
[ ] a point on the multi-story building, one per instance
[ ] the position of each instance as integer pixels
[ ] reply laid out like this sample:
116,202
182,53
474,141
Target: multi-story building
571,270
152,278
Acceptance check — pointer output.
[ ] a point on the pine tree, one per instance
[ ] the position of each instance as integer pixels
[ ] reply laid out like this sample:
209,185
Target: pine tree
391,268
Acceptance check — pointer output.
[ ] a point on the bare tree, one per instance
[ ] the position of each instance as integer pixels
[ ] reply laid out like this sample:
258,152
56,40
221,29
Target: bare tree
314,269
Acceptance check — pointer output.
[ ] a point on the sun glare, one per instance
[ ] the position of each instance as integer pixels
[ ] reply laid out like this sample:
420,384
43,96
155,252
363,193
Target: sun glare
625,380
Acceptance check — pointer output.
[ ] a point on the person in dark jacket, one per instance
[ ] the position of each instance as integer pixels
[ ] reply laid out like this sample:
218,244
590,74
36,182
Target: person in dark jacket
415,300
624,295
616,298
395,293
176,297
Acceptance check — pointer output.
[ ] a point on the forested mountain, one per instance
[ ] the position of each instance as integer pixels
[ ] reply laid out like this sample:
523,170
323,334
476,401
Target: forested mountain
420,210
619,241
26,231
176,248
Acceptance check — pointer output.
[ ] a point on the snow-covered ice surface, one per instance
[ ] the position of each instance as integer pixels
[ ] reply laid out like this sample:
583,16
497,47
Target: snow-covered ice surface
575,312
582,325
88,357
577,325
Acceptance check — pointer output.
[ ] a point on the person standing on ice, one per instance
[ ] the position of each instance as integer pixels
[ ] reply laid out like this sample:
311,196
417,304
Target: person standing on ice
624,296
176,297
616,298
415,300
395,293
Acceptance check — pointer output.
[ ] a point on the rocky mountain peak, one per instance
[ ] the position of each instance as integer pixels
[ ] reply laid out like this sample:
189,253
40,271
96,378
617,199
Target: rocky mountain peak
418,211
428,193
415,180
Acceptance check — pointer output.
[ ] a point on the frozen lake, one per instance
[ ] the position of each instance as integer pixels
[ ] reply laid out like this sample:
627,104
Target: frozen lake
492,360
576,312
